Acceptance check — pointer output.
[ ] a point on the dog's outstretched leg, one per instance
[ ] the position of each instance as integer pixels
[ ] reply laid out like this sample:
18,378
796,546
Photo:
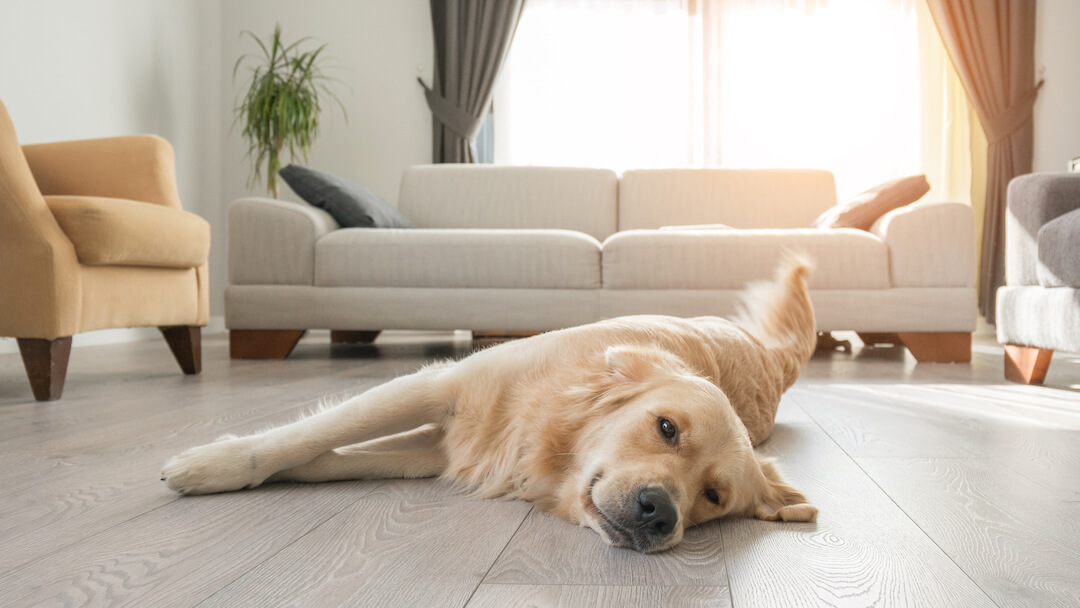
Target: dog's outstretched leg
416,453
425,397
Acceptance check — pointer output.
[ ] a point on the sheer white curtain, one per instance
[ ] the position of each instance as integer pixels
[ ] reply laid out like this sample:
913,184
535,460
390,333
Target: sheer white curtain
598,83
859,87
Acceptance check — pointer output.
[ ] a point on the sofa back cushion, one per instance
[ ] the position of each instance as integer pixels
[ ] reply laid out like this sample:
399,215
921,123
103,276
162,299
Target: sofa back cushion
486,196
741,198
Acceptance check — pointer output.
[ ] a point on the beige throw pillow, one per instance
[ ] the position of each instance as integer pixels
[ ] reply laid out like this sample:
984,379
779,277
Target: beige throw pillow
862,211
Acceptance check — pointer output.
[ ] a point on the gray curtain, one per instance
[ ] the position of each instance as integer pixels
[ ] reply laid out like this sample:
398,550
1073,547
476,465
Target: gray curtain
992,45
472,39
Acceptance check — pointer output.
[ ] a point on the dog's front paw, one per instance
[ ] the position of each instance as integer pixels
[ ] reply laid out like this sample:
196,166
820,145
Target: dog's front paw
223,466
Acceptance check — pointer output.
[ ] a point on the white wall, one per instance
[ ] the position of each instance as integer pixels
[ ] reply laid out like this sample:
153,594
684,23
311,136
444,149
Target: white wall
1057,59
76,69
378,44
73,69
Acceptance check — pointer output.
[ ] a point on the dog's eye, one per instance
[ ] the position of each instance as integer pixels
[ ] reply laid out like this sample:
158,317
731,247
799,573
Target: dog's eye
712,496
668,430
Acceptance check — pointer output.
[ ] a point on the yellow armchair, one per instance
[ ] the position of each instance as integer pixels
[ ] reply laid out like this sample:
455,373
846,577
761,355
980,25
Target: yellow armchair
92,236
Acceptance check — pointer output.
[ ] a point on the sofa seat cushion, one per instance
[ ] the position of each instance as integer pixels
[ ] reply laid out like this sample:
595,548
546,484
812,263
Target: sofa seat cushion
118,232
528,259
1059,256
729,259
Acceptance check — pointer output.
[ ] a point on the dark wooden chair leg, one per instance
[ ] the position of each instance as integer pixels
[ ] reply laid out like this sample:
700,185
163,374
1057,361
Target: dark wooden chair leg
263,343
185,342
341,336
1026,364
46,364
938,347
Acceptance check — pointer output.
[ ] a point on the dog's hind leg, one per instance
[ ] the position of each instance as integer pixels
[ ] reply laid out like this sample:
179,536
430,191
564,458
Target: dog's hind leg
425,397
416,453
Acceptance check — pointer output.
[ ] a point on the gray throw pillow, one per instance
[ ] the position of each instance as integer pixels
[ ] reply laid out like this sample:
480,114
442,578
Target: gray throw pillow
352,205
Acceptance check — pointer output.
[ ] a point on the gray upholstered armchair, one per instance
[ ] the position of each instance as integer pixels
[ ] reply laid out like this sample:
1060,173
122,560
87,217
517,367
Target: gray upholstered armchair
1038,311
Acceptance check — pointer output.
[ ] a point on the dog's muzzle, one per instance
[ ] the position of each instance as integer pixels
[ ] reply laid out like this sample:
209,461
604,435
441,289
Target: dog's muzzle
655,514
646,522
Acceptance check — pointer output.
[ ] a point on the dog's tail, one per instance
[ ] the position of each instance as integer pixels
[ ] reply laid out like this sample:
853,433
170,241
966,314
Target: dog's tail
779,313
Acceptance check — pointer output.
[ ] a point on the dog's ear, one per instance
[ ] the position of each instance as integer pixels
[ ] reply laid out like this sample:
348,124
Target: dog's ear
778,501
633,364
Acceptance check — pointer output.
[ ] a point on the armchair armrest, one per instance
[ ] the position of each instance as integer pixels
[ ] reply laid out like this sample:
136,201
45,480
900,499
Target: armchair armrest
273,242
930,244
40,284
135,167
1033,201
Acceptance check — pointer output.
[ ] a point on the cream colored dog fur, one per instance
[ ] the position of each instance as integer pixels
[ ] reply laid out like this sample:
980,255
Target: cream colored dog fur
635,427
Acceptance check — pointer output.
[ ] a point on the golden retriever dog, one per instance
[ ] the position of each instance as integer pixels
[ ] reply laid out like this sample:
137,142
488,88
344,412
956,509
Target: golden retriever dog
636,427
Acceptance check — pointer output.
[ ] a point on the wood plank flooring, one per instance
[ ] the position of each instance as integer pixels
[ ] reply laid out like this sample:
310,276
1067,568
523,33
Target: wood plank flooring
938,485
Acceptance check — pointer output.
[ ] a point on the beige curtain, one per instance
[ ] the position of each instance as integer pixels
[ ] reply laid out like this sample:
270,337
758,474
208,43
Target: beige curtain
992,45
947,126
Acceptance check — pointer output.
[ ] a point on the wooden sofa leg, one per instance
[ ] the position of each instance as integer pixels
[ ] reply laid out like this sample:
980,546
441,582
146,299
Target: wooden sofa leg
938,347
263,343
341,336
185,342
1026,364
46,364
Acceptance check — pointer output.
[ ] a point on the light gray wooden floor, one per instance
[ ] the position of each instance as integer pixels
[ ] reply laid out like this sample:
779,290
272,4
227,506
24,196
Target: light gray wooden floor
939,485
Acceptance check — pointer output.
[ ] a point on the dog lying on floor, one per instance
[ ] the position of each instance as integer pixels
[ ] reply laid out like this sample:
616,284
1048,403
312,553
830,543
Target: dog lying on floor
635,427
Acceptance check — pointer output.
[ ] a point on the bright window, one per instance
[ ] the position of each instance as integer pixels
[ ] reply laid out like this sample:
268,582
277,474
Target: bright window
852,86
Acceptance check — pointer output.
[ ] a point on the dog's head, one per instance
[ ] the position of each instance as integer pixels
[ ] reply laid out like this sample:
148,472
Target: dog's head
671,453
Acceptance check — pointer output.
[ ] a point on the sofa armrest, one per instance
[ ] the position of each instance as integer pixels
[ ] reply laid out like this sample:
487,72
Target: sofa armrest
1034,200
133,167
930,244
273,242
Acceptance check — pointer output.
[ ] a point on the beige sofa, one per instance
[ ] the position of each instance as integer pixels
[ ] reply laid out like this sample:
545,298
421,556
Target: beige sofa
540,248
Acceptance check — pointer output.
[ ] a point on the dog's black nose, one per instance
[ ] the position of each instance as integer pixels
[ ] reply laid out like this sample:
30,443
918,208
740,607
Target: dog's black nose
654,511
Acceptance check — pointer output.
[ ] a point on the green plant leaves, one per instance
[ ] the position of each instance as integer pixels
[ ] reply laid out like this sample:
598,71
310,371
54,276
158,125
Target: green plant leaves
280,109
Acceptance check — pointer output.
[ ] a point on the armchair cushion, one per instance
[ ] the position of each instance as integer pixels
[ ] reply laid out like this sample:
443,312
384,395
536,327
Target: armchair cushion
1059,253
118,232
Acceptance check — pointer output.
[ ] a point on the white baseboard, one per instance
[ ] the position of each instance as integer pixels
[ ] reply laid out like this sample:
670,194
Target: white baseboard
216,325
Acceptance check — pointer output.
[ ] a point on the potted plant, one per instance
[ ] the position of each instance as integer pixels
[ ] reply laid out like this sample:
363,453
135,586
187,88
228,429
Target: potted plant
280,110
